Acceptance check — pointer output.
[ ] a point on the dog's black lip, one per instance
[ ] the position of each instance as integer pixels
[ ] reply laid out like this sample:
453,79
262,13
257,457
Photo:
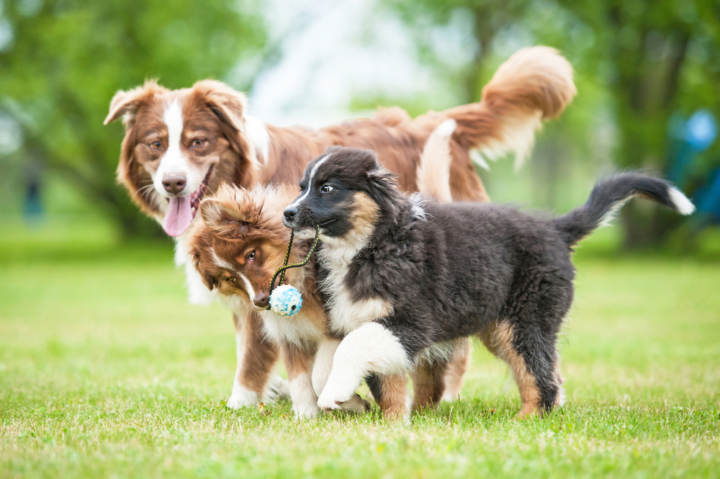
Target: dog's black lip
297,227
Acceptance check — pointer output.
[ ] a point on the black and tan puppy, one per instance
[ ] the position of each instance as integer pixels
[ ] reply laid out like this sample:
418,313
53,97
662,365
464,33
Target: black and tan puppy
401,276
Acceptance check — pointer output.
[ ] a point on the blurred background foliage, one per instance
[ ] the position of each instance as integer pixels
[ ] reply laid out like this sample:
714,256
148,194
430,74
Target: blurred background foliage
641,67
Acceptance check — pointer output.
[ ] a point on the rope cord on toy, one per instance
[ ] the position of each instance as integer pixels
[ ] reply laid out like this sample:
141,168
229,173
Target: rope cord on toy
281,271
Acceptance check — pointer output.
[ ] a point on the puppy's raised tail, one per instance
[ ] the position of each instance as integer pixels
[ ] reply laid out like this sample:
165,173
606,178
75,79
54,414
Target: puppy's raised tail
434,168
533,85
608,196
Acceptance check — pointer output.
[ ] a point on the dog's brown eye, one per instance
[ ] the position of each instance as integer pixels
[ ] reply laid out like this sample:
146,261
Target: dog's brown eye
156,145
326,188
251,255
197,143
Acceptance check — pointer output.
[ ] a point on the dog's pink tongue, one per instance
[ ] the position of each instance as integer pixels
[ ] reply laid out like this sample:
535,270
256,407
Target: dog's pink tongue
178,216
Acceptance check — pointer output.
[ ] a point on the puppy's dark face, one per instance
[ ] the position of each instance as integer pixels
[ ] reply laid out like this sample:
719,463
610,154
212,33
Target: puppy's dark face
338,193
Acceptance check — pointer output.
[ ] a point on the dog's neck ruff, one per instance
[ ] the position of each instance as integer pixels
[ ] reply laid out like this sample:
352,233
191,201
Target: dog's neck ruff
346,312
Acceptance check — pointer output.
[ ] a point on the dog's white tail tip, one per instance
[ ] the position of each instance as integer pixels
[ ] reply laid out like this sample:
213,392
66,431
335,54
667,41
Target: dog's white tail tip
446,128
681,202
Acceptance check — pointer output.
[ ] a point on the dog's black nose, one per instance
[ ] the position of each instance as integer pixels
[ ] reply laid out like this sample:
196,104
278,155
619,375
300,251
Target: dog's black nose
174,183
290,213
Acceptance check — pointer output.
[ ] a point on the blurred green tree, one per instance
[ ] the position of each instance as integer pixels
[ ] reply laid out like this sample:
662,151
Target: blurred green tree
646,60
657,59
486,19
68,57
485,34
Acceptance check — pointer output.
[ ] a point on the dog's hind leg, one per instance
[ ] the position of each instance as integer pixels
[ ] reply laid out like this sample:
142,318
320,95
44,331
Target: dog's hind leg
438,373
455,371
535,342
390,393
529,358
428,383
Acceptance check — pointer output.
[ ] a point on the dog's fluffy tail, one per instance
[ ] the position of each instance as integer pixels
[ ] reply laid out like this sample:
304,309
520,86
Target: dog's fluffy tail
534,84
434,168
608,196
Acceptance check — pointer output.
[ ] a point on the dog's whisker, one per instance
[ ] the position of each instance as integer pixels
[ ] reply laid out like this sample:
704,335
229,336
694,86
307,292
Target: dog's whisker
146,191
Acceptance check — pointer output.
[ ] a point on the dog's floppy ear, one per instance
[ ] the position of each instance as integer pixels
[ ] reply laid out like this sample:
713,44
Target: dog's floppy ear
208,280
211,211
231,213
221,220
382,181
225,102
382,186
377,176
221,224
127,103
228,106
214,208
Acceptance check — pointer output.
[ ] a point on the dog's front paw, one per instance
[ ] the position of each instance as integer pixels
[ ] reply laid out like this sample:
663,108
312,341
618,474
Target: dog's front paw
333,398
276,388
305,411
328,402
242,397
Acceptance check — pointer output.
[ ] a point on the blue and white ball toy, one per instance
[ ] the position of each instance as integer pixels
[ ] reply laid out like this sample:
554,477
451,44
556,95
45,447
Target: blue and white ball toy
285,300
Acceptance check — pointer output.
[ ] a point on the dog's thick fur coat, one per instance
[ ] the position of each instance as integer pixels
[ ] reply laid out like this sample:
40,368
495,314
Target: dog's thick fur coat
203,137
235,222
437,272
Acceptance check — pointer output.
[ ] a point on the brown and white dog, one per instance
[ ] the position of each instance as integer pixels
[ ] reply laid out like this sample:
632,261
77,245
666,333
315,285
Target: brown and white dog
182,144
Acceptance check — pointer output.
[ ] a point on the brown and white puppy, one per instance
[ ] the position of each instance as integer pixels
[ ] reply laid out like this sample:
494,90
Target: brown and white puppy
236,248
182,144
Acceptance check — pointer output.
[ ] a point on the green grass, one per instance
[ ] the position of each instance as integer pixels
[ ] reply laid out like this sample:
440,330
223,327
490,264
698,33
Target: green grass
105,371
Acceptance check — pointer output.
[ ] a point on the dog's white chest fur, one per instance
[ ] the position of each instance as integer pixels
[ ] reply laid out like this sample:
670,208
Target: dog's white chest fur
298,329
345,313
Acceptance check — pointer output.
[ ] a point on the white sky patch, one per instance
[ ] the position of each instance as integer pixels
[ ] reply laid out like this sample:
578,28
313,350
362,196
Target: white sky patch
10,135
6,34
350,48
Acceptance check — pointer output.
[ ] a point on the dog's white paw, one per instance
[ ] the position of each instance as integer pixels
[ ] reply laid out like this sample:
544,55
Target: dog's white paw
333,398
276,388
450,396
327,402
242,397
305,411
